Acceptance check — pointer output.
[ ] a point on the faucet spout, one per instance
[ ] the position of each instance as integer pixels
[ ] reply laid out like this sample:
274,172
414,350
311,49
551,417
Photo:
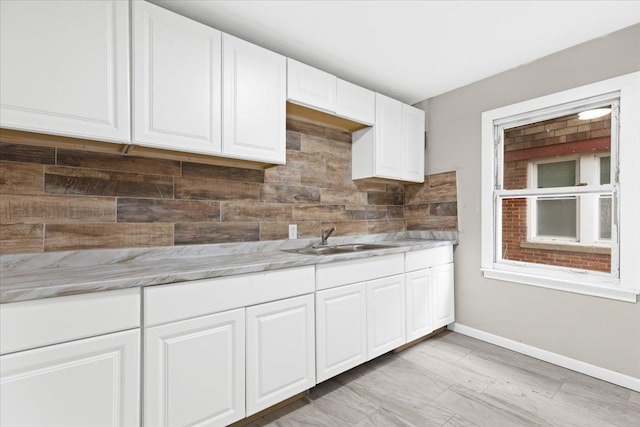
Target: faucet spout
324,235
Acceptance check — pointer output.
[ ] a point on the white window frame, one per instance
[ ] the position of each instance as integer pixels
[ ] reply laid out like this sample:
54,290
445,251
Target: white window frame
626,287
532,211
587,205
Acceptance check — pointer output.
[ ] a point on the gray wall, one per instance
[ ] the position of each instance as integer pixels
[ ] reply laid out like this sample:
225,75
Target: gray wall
598,331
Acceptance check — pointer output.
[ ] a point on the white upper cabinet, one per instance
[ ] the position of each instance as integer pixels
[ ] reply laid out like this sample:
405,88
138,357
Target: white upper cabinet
356,103
64,68
177,81
413,142
387,135
394,147
320,90
311,87
254,102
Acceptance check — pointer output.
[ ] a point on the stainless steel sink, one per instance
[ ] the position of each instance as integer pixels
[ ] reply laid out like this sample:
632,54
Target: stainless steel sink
338,249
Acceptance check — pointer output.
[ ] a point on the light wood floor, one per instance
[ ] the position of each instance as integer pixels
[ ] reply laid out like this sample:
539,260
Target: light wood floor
453,380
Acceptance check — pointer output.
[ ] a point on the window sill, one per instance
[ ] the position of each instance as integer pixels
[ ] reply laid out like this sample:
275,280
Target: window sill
567,247
562,284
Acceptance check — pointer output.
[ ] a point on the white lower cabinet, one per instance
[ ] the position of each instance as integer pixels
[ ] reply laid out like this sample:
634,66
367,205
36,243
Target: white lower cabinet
218,350
443,296
71,361
419,286
341,329
430,290
280,351
194,371
88,382
385,315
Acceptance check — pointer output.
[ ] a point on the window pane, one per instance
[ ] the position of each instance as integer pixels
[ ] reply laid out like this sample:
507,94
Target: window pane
557,174
556,217
605,217
517,246
605,170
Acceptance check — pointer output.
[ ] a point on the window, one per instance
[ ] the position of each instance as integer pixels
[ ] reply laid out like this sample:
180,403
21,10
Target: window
555,212
549,187
582,219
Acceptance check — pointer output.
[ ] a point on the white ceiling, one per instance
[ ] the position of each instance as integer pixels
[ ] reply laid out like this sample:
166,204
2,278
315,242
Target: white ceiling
413,50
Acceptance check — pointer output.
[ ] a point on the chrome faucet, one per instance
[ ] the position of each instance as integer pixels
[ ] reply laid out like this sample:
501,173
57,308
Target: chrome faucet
324,236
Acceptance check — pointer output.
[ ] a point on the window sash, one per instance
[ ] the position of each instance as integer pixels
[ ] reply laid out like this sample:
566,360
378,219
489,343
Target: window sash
534,210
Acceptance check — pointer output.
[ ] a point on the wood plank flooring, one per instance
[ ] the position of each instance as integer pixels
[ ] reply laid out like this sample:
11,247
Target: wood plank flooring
453,380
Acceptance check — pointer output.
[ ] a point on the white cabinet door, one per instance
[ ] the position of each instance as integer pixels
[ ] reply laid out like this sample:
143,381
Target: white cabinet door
413,143
89,382
254,102
356,103
389,156
311,87
443,296
418,303
280,351
385,315
194,371
64,68
394,147
177,75
341,330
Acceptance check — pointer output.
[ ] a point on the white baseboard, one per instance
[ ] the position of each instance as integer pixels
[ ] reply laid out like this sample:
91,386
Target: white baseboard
548,356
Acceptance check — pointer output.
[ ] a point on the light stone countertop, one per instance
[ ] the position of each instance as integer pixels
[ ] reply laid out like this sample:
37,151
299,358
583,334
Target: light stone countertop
36,276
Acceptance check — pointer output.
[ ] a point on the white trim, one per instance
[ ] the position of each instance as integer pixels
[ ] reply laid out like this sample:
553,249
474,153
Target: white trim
627,87
563,284
551,357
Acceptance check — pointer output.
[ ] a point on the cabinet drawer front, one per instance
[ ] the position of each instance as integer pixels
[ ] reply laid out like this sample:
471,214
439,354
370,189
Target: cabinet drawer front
89,382
343,273
427,258
37,323
168,303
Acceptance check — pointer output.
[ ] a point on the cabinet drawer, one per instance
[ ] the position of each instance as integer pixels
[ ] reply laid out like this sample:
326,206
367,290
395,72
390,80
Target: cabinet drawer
168,303
37,323
428,258
343,273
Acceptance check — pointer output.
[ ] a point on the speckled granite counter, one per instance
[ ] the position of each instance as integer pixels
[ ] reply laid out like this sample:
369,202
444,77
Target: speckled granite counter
36,276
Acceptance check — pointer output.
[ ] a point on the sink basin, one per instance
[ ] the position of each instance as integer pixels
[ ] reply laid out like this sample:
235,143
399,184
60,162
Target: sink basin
338,249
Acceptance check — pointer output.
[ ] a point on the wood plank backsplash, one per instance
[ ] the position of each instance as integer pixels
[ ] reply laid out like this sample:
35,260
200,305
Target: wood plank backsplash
59,199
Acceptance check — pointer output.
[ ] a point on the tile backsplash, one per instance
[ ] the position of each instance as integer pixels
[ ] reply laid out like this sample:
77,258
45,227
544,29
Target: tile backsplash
54,199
